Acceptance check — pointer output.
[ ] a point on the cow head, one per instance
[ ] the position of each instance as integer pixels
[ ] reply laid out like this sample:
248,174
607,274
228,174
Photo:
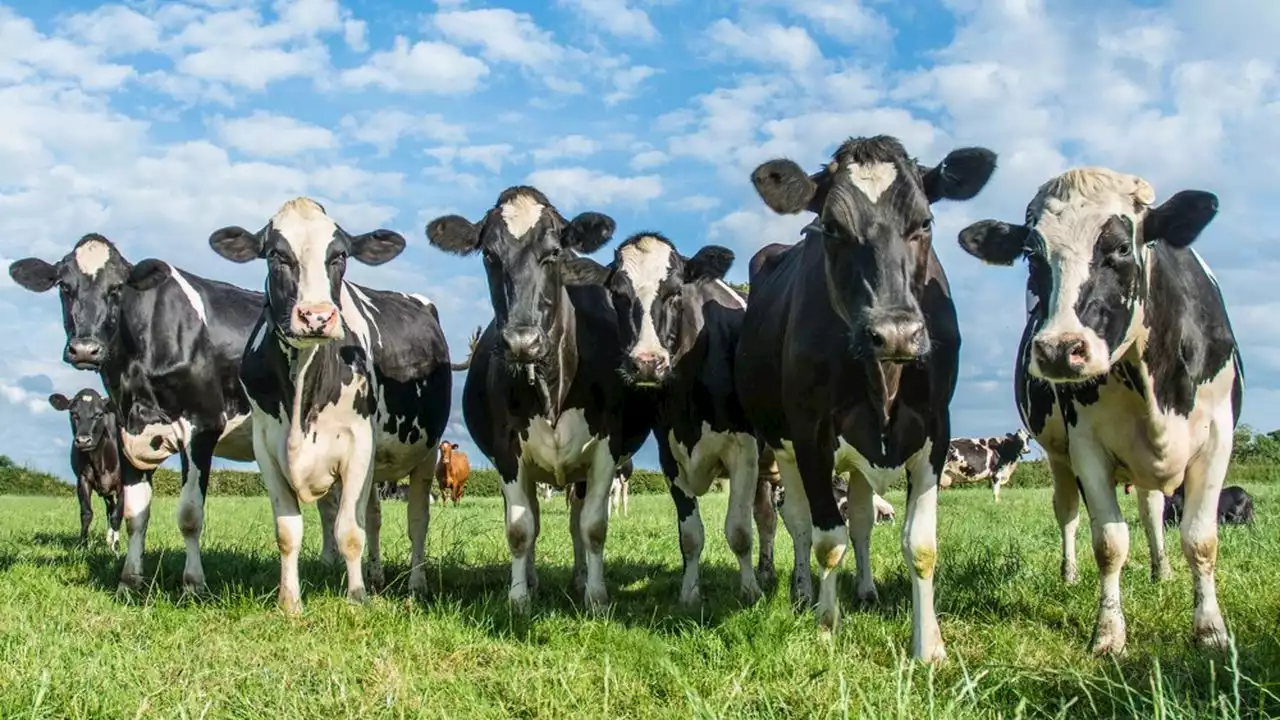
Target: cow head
1021,439
91,417
658,317
90,280
523,241
873,206
306,253
1085,240
446,451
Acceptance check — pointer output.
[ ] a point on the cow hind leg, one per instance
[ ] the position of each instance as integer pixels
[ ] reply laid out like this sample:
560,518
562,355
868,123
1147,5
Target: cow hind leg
327,506
743,467
137,513
691,533
766,518
1203,484
373,532
197,462
920,551
862,516
595,525
1066,507
114,513
575,494
830,534
419,518
1151,514
799,523
85,498
521,536
531,569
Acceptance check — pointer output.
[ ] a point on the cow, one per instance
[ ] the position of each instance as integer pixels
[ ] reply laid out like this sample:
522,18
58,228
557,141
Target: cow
166,345
680,324
884,510
95,458
349,386
452,471
619,491
849,356
1127,372
1235,506
543,399
994,458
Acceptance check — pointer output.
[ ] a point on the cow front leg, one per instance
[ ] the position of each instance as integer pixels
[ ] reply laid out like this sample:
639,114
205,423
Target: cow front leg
521,536
766,518
830,533
373,533
327,506
115,513
575,494
689,526
1203,483
85,497
419,521
531,568
197,462
799,523
1110,542
920,551
862,518
743,464
595,525
353,508
1066,508
288,518
137,513
1151,514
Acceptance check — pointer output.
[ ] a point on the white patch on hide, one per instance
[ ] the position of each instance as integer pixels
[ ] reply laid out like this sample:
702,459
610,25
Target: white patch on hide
873,179
521,213
92,256
193,297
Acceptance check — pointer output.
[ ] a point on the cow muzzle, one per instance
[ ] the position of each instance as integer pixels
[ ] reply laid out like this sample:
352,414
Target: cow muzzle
650,368
315,320
85,442
1066,357
523,344
897,337
84,353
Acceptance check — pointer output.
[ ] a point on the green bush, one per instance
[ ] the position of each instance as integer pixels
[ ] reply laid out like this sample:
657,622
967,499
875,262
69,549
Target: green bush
238,483
16,479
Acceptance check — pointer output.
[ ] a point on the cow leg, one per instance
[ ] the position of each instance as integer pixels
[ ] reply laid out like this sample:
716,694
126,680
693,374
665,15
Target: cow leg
575,494
862,518
595,525
626,497
689,525
920,551
85,497
353,508
521,535
288,516
531,568
767,527
1203,484
799,523
999,478
830,534
373,531
327,505
1151,513
743,465
1066,506
197,462
115,510
419,520
137,512
1110,542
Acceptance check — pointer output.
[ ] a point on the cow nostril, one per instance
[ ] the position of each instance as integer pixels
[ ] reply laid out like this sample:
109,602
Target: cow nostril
1079,351
876,337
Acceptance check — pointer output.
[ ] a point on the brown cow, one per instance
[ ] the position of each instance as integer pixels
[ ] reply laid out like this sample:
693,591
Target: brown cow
452,471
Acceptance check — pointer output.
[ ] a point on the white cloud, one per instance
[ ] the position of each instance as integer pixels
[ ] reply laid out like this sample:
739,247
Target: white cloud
263,134
576,146
626,82
501,34
766,43
490,157
616,17
384,128
426,66
649,159
585,188
26,54
696,203
355,35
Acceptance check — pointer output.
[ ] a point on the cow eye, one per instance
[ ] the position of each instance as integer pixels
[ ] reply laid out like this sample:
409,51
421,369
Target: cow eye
926,226
339,257
552,256
1124,250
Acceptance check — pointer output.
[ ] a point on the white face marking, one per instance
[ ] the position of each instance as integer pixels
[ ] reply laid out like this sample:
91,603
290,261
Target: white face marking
308,231
192,296
646,264
92,256
873,179
521,213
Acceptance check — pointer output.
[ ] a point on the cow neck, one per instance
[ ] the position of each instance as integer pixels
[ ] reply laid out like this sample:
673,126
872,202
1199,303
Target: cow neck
105,458
551,379
305,369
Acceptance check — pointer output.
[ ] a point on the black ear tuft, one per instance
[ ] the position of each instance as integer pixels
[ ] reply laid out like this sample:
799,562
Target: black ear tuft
34,274
148,274
236,244
583,271
784,186
961,175
1180,219
994,242
454,234
59,402
711,262
588,232
377,247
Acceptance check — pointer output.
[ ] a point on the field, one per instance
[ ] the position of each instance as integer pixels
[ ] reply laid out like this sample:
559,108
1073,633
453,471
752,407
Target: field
1017,638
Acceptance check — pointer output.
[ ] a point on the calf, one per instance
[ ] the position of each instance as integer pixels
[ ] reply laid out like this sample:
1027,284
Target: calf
976,459
1128,370
349,386
167,347
1235,507
849,353
620,489
452,471
680,324
95,458
543,399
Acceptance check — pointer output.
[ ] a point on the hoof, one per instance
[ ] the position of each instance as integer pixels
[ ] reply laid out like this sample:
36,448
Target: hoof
520,602
289,605
691,599
828,618
750,593
357,596
767,576
531,578
597,600
377,578
1070,575
868,595
417,581
1161,573
935,654
1109,640
1211,636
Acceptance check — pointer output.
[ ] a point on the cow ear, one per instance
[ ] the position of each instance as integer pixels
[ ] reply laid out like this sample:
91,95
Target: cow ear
455,445
34,274
711,262
377,247
236,244
588,232
454,234
584,271
59,402
1181,218
994,242
960,176
785,187
148,274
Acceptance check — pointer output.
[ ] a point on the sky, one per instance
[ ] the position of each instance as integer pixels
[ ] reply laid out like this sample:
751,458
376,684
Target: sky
157,123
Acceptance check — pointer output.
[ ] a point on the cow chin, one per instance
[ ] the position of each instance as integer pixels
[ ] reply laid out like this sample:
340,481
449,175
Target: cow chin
310,340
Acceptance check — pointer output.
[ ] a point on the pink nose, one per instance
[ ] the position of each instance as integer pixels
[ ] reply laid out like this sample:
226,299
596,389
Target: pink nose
316,318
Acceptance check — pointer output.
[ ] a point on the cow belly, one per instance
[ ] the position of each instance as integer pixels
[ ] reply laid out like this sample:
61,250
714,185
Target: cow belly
150,446
236,442
848,459
559,449
393,459
710,456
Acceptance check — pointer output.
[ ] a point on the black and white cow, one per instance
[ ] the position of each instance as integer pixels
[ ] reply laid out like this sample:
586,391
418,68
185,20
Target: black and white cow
167,346
620,489
95,458
1235,506
543,398
1128,370
849,355
680,324
349,386
993,458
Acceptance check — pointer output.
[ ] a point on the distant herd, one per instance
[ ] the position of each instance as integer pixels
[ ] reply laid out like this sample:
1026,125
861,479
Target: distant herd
843,364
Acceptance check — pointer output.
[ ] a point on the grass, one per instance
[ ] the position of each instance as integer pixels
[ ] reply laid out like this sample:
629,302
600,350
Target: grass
1017,638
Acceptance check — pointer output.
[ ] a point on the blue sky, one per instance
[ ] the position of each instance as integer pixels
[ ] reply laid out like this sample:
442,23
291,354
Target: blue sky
155,123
